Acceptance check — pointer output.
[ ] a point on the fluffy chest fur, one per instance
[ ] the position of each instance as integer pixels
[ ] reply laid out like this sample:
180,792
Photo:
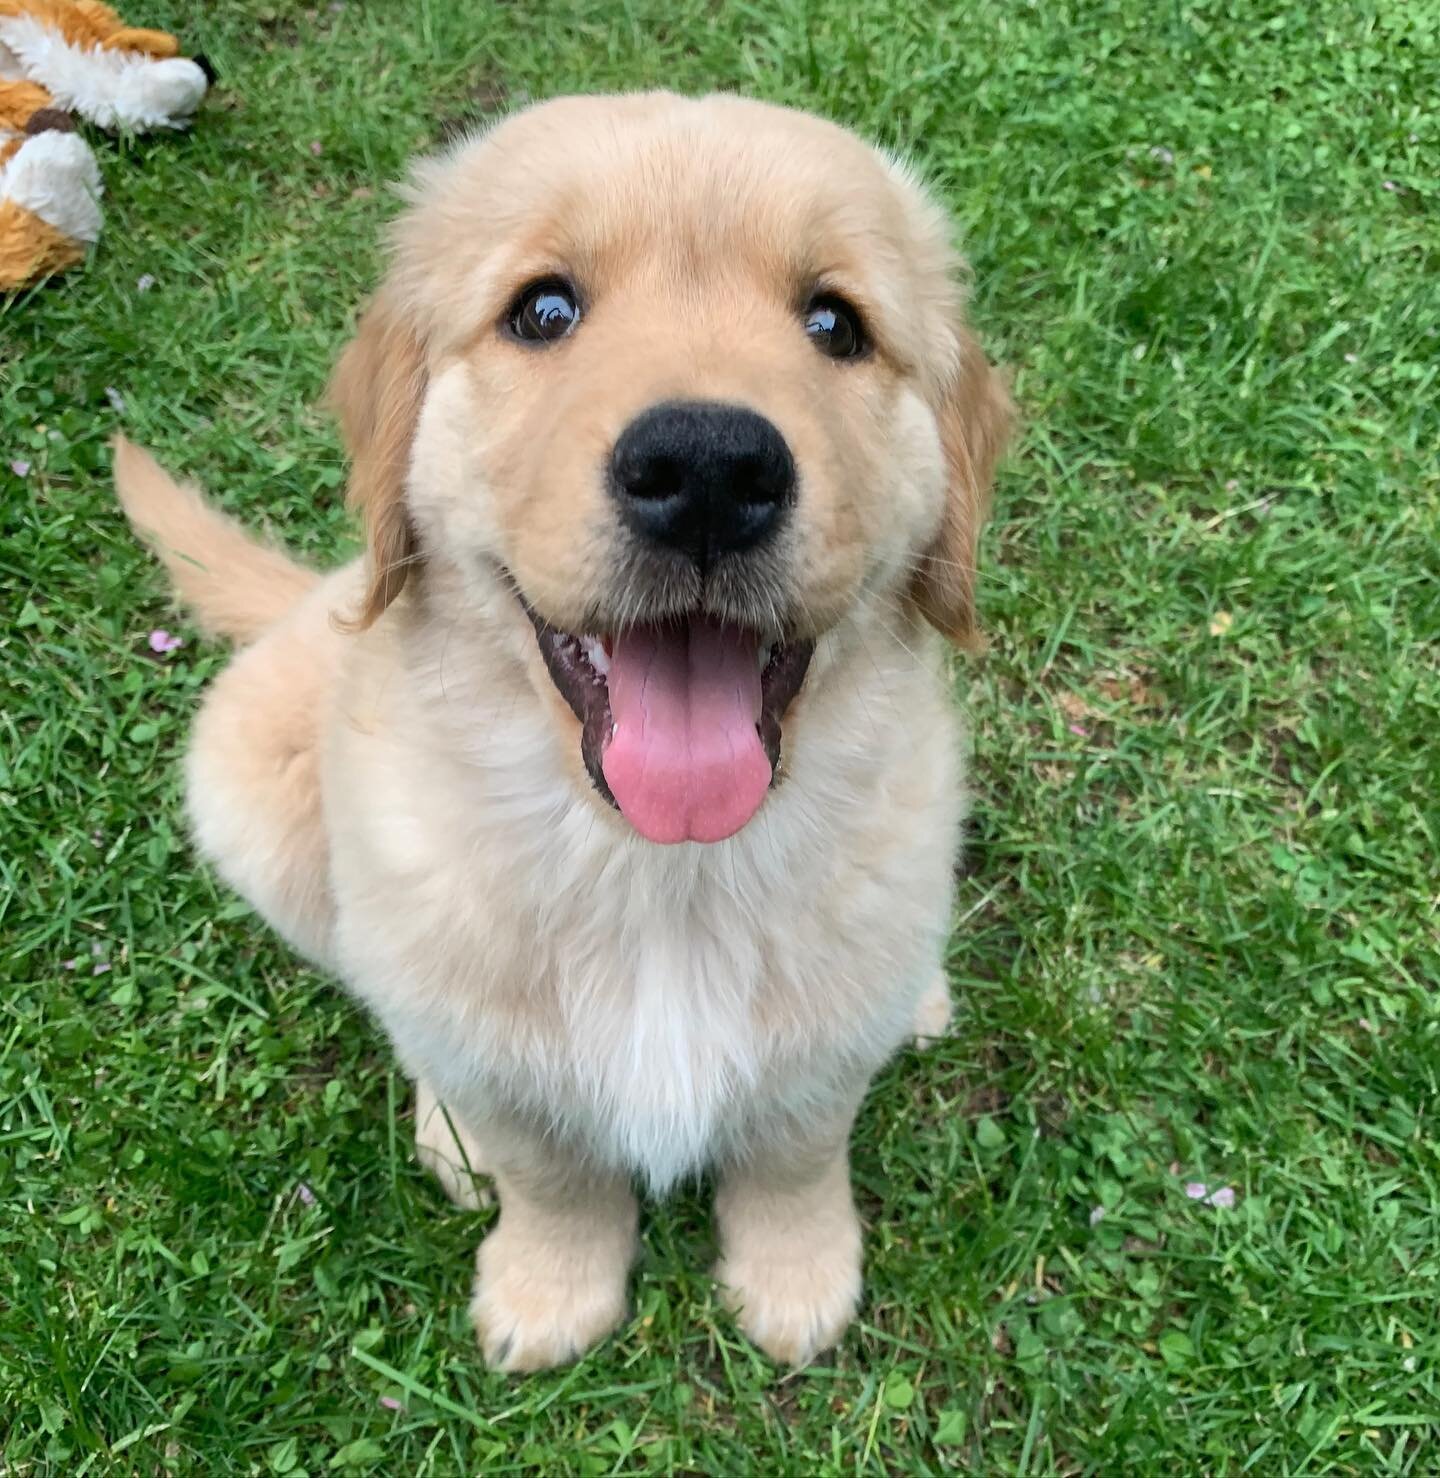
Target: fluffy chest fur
655,1006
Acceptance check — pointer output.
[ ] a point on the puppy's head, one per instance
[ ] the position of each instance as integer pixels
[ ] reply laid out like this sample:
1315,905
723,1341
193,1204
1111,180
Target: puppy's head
689,381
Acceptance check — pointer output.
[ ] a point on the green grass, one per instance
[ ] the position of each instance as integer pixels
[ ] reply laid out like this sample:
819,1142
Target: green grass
1199,937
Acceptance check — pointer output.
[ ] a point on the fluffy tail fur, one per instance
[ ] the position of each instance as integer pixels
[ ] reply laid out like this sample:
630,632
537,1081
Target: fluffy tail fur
236,584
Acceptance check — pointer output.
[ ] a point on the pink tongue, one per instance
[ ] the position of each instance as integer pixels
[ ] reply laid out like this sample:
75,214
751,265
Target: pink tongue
685,763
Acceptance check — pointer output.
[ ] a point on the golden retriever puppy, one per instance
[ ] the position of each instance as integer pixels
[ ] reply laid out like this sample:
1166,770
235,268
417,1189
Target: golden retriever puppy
621,778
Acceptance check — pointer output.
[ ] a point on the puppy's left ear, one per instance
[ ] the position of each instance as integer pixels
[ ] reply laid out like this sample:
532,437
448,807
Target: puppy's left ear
975,423
376,391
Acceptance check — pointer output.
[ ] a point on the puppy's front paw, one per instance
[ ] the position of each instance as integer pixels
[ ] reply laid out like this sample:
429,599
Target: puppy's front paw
796,1302
532,1309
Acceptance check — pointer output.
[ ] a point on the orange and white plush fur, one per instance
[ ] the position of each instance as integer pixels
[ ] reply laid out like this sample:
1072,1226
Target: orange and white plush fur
92,64
388,773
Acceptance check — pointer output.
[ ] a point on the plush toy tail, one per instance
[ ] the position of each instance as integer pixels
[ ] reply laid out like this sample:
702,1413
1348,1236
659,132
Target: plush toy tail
236,584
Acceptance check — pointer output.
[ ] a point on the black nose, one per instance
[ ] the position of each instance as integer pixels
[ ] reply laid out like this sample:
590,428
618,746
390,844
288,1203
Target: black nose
702,479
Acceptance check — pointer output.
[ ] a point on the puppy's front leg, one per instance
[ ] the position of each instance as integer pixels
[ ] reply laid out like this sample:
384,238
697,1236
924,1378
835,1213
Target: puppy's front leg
550,1278
790,1243
446,1148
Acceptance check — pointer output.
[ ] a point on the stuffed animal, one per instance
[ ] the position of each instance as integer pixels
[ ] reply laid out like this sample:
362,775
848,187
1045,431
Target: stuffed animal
74,56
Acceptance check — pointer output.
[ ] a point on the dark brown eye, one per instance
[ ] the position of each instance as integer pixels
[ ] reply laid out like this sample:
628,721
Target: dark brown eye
544,312
834,327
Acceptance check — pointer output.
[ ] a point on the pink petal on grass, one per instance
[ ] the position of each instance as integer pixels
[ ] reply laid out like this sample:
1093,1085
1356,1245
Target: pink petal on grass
20,467
1079,729
1222,1198
161,641
391,1404
307,1196
101,966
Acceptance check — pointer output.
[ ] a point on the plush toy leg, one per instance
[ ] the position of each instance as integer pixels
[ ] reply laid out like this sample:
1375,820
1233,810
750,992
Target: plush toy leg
114,77
49,207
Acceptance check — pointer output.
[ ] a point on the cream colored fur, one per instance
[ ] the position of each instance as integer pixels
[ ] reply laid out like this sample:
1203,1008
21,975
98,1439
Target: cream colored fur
404,801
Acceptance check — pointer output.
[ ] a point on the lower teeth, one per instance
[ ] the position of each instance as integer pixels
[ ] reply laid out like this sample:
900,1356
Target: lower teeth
594,650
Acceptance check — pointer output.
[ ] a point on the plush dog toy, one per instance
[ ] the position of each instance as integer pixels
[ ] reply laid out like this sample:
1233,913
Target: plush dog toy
59,57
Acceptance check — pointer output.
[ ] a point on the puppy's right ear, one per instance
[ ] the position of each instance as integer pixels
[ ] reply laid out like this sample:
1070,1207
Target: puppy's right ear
376,392
975,424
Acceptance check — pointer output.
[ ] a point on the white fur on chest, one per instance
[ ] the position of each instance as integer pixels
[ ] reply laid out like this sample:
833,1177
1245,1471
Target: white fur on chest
652,1042
655,1006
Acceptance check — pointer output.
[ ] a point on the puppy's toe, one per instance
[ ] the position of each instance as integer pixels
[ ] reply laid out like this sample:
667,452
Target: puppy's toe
530,1317
932,1013
793,1308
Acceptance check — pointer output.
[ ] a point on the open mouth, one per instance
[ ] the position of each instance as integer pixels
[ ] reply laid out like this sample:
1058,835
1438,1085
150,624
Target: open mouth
680,720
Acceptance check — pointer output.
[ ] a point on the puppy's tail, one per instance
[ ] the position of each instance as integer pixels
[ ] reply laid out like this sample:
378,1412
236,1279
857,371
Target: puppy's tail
236,584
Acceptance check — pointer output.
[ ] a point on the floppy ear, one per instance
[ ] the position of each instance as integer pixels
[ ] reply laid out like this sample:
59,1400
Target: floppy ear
975,422
376,392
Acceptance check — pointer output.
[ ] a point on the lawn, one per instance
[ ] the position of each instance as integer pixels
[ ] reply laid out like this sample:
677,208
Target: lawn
1168,1200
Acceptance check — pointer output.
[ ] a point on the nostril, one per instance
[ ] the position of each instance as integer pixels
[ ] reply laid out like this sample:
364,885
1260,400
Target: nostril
654,477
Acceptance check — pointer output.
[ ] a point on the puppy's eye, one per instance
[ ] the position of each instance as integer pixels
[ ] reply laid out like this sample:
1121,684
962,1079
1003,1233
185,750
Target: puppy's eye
544,312
834,327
